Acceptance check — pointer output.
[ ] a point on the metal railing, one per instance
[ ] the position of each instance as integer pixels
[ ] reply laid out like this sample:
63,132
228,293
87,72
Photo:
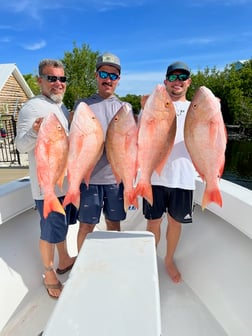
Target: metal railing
8,150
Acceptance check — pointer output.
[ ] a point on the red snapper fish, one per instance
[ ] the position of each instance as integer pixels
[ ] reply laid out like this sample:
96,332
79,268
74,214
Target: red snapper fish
86,144
121,150
51,151
157,130
206,138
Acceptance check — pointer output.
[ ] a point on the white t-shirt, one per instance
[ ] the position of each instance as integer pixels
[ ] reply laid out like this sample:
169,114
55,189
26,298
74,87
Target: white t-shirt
178,171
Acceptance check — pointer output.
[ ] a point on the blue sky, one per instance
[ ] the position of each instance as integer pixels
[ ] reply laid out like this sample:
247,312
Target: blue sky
147,35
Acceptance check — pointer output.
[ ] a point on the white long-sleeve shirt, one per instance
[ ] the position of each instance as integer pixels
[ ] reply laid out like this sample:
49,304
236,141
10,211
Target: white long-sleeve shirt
36,107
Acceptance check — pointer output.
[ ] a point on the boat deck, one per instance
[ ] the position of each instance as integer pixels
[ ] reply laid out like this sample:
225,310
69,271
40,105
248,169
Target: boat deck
214,298
8,174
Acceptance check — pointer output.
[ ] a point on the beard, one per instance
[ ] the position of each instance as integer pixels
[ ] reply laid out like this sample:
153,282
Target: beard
57,98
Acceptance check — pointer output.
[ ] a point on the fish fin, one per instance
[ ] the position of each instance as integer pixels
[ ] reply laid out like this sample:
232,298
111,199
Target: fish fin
130,198
72,197
126,203
86,179
117,177
134,202
61,180
52,204
161,165
200,174
213,132
221,170
213,195
144,190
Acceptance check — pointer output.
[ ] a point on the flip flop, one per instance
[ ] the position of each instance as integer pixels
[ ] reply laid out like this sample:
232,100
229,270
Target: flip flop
53,286
64,270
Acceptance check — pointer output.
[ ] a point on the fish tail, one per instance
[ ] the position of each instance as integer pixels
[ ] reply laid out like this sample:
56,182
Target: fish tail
144,190
52,204
134,202
209,196
130,199
72,197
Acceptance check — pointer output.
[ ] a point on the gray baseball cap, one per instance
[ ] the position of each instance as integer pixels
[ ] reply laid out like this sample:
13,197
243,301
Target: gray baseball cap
177,66
108,59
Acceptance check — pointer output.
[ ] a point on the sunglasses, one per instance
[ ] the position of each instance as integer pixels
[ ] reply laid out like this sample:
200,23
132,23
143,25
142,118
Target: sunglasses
53,79
104,75
180,77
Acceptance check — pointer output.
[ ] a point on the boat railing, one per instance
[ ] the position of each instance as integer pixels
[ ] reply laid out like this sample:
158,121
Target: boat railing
234,197
15,198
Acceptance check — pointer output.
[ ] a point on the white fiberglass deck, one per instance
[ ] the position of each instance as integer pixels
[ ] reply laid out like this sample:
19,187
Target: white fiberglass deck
214,298
115,276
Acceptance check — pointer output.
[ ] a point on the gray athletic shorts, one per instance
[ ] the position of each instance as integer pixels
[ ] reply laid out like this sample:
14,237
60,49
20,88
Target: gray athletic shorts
95,198
177,202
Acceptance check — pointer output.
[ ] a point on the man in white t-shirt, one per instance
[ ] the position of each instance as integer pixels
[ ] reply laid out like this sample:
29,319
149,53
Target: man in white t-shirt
173,189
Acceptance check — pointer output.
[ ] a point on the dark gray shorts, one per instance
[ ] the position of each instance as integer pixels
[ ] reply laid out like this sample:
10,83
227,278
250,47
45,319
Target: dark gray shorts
177,202
95,198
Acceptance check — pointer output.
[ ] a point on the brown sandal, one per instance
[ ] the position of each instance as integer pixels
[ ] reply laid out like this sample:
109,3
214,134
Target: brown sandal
58,285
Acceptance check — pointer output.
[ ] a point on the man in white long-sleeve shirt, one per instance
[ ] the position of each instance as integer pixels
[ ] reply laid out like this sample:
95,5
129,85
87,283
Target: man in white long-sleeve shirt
52,82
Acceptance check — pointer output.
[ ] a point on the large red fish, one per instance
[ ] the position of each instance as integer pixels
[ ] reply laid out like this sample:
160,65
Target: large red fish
51,157
86,144
157,130
121,150
205,138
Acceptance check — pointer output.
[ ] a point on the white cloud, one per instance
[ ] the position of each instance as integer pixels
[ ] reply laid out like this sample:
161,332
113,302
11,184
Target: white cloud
35,46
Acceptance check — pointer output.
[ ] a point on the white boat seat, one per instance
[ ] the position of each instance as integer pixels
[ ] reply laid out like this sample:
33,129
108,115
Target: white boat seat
112,290
15,198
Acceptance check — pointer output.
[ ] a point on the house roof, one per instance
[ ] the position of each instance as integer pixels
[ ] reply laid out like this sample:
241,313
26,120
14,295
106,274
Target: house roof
8,69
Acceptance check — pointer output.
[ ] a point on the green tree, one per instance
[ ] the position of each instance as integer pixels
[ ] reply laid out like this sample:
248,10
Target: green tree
32,82
233,86
134,100
79,69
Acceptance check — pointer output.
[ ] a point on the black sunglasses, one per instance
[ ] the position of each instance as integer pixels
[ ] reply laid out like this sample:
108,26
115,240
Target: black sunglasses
180,77
53,79
105,74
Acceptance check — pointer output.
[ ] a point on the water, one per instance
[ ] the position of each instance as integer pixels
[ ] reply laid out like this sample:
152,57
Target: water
238,165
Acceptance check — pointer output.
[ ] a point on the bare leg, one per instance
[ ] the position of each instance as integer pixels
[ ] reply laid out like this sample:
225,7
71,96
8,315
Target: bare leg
47,255
84,229
113,226
64,259
172,237
153,225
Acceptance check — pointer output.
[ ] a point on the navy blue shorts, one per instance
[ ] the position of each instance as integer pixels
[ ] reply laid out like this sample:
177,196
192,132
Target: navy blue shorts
177,202
53,229
96,198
